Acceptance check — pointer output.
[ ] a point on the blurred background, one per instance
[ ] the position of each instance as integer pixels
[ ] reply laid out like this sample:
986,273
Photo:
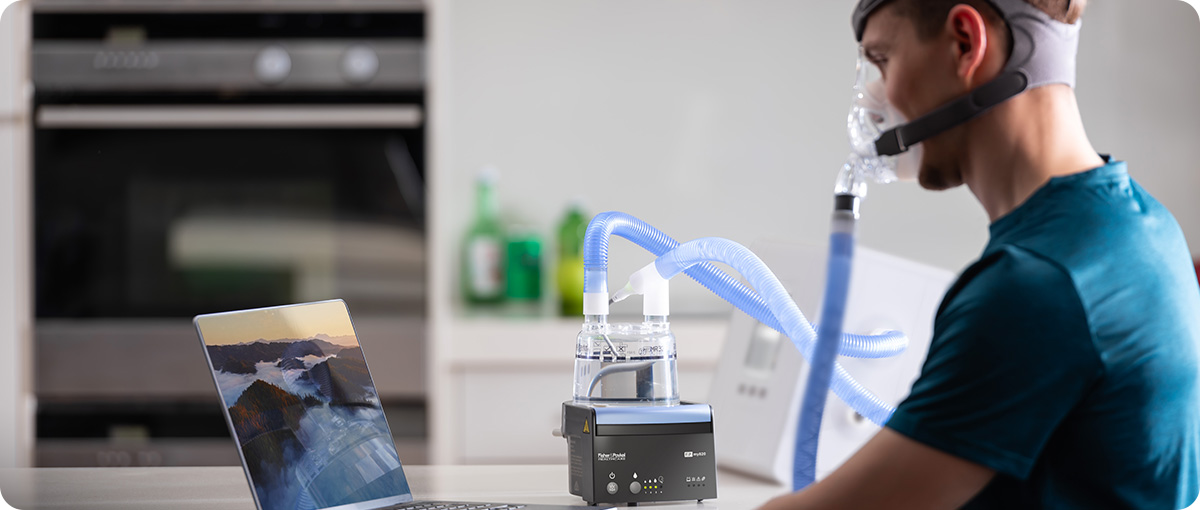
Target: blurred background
434,163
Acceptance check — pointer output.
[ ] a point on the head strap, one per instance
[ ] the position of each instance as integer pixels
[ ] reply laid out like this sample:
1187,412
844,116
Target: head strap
1043,53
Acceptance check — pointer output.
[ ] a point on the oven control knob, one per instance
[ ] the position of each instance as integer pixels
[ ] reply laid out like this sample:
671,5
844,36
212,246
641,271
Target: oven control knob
272,65
359,64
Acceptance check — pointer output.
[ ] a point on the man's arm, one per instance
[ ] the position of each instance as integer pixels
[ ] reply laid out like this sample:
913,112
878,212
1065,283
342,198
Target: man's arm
893,471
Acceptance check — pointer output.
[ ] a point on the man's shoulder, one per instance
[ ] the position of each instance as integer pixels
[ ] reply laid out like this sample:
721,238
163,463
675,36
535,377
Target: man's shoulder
1014,281
1011,306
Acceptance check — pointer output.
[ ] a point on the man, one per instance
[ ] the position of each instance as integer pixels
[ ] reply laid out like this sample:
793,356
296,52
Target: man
1063,369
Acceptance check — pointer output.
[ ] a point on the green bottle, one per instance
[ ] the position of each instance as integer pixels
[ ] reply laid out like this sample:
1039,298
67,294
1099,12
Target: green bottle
570,260
483,248
523,265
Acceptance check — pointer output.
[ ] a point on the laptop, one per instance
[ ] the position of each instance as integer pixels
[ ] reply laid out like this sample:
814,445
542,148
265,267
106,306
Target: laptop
302,407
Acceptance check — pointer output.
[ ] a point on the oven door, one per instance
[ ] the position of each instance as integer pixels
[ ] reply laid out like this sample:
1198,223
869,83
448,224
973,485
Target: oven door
195,157
170,210
148,214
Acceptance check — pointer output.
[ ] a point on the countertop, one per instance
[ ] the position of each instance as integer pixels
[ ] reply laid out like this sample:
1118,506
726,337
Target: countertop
226,488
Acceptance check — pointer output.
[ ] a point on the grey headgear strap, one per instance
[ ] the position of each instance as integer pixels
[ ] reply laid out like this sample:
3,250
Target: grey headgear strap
1043,52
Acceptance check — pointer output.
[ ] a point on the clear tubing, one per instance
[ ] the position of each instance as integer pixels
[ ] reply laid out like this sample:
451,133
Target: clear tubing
833,314
796,327
595,264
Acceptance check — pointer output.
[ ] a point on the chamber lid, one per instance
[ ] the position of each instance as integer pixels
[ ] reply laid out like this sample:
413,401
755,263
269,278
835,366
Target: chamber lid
642,415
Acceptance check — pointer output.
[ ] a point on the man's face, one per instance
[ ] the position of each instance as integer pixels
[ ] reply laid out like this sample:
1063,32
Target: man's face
919,76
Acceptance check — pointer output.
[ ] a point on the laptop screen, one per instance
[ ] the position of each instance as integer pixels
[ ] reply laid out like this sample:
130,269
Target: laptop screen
302,406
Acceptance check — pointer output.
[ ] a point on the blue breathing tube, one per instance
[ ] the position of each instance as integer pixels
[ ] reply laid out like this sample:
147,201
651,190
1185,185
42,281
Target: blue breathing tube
772,306
595,266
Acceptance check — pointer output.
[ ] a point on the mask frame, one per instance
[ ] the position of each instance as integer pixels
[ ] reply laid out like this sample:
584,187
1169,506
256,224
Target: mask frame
870,116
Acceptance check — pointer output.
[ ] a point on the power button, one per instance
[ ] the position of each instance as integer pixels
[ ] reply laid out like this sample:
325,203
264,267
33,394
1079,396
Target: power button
635,487
612,487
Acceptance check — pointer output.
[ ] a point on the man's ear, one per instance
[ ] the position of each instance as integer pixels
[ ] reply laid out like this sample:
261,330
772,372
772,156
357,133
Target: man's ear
969,37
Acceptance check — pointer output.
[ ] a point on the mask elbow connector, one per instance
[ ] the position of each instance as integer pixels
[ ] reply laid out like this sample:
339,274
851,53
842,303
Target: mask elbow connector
850,180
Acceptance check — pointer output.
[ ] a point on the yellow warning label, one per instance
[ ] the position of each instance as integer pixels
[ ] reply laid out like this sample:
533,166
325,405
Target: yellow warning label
585,427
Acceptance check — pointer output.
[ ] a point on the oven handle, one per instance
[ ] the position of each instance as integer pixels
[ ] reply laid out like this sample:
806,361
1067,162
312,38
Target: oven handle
213,117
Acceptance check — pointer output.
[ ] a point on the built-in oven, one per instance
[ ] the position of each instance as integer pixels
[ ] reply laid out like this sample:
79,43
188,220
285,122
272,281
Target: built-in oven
192,157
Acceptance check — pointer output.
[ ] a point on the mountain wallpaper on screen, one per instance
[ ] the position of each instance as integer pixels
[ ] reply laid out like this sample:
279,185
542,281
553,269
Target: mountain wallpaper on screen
265,408
235,358
308,422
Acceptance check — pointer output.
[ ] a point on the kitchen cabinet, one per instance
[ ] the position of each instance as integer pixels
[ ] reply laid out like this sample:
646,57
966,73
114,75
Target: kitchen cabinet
16,404
497,384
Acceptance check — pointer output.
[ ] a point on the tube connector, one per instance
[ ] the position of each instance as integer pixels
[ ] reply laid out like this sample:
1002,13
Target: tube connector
846,202
654,289
595,303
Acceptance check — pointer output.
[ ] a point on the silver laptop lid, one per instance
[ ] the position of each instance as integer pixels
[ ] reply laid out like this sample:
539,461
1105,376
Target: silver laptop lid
302,407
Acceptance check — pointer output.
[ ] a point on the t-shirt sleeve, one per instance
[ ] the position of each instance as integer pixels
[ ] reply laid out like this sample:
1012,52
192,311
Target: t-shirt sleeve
1011,355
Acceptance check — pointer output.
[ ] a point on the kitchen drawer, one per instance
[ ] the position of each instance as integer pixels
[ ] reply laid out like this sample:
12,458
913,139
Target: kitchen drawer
156,359
106,453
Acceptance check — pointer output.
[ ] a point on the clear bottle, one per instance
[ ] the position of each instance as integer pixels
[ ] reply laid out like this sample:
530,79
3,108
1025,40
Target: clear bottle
624,363
483,248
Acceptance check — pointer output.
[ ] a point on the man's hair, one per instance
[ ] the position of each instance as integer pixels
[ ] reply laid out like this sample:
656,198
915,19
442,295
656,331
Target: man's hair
929,16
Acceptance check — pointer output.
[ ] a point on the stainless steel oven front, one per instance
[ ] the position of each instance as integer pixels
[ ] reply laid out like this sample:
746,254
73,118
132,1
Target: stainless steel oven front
191,157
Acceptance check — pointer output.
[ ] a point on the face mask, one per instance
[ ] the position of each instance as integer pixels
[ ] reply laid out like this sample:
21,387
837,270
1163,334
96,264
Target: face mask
886,147
870,116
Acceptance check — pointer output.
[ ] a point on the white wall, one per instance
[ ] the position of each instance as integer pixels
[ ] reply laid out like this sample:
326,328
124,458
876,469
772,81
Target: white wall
16,431
726,118
1138,80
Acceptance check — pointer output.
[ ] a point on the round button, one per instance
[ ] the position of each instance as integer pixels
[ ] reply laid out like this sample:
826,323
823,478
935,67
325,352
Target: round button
272,65
635,487
359,64
612,487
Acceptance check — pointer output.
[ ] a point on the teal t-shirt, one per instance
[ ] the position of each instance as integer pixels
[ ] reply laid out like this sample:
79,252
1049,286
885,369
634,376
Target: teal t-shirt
1065,358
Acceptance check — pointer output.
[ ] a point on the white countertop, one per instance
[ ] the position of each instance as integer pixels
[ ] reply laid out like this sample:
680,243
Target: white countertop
226,488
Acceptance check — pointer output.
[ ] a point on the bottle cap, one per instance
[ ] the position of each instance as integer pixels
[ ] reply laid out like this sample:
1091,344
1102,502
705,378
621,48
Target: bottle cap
489,174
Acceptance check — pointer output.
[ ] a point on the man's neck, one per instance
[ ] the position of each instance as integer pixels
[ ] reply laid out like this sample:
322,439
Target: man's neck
1018,146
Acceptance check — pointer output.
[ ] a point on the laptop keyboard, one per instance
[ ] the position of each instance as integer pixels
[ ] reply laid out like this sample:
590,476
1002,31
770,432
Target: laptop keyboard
449,505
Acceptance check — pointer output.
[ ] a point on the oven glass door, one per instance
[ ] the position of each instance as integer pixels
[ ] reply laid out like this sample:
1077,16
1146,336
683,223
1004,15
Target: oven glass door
171,211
